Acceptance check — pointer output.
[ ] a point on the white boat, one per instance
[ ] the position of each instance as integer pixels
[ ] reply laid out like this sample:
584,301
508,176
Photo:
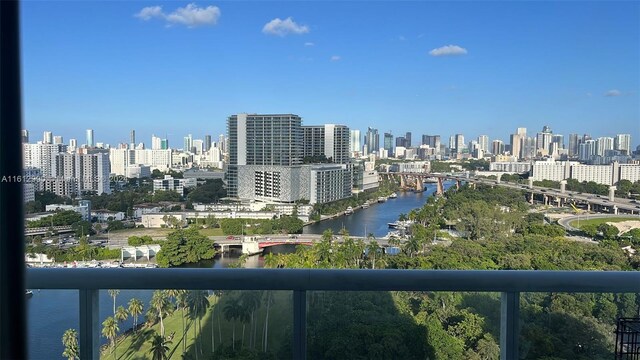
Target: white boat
349,211
28,293
365,205
393,196
382,199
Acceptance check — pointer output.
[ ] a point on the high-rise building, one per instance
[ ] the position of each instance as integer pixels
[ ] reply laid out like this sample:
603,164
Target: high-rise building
207,142
47,138
558,139
25,136
90,142
483,143
459,143
522,132
356,146
528,148
573,145
329,140
407,138
497,147
586,150
373,140
156,143
603,144
57,140
91,171
222,143
132,139
43,157
388,143
262,140
188,143
622,143
401,142
164,144
197,146
433,141
73,145
515,140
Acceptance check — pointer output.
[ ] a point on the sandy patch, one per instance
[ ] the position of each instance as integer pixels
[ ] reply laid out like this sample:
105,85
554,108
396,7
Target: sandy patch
624,226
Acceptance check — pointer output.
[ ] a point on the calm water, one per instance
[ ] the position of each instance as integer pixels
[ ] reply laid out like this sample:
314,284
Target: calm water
51,312
375,218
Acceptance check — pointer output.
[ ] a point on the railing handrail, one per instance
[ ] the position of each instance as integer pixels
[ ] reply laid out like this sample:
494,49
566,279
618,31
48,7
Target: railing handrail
338,280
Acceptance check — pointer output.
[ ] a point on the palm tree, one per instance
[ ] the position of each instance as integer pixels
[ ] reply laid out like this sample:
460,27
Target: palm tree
110,331
135,308
159,301
159,348
121,314
250,302
113,293
181,303
372,251
232,311
197,302
265,334
70,342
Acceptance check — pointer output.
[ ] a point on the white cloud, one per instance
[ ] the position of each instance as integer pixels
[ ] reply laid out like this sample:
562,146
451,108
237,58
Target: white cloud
190,15
613,92
150,12
309,44
284,27
448,50
335,58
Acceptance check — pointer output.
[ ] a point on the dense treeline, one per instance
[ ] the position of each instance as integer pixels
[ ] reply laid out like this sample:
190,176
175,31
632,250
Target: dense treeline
497,233
84,251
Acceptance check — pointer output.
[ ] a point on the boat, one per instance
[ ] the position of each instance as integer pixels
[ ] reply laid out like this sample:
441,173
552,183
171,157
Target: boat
393,225
393,196
382,199
349,211
365,205
28,293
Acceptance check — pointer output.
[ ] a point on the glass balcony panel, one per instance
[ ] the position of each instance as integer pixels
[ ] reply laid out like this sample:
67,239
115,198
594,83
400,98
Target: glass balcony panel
49,314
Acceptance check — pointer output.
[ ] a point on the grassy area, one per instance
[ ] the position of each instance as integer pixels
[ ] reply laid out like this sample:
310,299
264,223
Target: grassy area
580,223
212,232
137,346
153,232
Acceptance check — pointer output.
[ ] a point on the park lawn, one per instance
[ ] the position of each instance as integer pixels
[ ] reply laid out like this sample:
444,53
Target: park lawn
211,232
599,221
137,346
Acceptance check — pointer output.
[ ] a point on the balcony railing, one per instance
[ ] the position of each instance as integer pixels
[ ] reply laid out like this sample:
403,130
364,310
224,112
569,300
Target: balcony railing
509,283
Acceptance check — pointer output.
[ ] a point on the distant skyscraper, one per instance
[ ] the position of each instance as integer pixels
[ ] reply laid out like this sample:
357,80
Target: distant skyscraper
603,144
587,150
47,138
58,140
188,143
543,140
483,143
356,145
515,140
459,143
156,143
90,142
373,141
528,148
497,147
198,146
573,145
207,142
558,139
522,132
452,143
132,139
433,141
622,143
407,138
164,144
73,145
388,143
25,136
401,141
222,143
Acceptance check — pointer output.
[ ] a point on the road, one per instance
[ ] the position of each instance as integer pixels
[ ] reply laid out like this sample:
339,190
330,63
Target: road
564,222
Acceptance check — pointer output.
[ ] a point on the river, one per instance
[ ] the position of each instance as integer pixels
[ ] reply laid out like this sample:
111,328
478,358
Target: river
51,312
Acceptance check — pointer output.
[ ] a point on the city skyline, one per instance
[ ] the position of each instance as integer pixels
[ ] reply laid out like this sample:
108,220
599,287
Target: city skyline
174,70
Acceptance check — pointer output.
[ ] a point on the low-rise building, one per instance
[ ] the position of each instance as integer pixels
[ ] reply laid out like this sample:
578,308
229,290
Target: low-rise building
106,215
171,184
82,209
510,167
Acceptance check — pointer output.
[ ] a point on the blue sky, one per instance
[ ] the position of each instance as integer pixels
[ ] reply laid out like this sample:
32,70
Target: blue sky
184,67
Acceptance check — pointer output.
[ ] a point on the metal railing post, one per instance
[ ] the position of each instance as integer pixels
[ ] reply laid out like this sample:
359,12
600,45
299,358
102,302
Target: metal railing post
89,325
509,325
299,324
